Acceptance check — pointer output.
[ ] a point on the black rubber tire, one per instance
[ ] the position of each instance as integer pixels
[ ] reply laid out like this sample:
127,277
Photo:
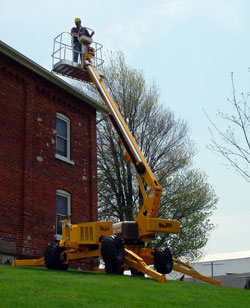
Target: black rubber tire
113,254
51,257
135,272
114,269
163,260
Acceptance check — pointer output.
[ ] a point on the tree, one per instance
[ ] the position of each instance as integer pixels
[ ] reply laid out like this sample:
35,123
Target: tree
234,142
165,143
188,198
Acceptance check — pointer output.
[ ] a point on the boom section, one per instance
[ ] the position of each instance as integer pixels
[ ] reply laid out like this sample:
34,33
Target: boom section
132,151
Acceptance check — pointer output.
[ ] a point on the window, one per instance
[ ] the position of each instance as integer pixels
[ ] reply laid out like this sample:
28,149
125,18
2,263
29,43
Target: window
63,209
63,138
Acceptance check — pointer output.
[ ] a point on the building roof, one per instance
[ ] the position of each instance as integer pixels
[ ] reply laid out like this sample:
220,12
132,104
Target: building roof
28,63
226,256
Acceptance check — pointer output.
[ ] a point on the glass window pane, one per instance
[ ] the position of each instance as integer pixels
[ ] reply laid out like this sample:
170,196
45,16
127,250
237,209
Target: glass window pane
61,146
61,211
61,205
61,128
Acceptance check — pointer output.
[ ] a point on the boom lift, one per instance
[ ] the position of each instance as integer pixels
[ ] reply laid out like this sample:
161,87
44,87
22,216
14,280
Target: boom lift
120,245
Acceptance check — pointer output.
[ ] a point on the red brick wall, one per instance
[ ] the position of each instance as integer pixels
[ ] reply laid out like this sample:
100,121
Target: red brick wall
29,172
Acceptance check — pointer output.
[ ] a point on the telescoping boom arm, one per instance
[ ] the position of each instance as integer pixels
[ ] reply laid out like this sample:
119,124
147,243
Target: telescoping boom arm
146,218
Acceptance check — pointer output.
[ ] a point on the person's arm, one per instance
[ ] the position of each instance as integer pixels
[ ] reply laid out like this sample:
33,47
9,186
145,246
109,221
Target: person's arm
73,32
85,32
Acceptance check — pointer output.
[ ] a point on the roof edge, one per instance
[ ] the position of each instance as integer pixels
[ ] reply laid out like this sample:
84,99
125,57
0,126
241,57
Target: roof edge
33,66
245,254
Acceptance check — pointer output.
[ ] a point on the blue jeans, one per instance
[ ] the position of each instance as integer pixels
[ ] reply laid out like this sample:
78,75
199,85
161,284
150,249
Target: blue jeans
77,49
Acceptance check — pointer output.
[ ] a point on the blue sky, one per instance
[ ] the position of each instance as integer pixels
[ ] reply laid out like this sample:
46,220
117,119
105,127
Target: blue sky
188,47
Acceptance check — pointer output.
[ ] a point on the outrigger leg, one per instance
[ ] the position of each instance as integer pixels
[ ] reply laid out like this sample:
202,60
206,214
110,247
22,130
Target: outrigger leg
187,269
31,262
136,262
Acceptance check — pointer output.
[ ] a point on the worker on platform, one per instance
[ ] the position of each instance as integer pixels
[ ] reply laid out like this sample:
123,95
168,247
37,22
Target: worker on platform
76,32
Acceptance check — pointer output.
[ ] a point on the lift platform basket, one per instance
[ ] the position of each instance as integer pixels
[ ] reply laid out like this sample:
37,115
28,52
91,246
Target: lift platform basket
62,57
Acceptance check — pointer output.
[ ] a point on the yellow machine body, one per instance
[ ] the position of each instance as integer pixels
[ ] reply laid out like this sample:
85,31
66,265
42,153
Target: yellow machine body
87,233
83,240
157,225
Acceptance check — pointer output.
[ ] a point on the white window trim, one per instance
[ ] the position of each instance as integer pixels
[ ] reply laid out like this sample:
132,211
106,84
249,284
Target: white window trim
65,159
58,156
58,237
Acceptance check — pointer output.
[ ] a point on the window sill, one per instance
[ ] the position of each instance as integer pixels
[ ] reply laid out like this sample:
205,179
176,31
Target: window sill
65,159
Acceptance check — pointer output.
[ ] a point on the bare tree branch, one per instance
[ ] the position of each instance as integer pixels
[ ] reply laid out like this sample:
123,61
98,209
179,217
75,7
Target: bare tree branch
234,143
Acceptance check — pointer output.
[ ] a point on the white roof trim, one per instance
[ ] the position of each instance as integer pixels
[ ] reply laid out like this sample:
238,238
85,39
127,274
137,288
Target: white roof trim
226,256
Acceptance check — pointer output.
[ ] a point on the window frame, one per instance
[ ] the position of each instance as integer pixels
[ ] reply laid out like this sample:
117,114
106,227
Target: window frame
59,156
67,195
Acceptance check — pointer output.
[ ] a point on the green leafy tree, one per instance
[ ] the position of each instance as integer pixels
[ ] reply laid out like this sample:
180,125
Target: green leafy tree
188,198
164,141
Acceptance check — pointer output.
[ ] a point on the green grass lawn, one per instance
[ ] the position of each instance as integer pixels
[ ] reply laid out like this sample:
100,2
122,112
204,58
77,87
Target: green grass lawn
39,287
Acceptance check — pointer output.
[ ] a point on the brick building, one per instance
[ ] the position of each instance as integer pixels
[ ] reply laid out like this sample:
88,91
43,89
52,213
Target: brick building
48,163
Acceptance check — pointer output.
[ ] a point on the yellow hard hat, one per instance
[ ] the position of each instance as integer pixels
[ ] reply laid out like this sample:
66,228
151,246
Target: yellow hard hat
77,19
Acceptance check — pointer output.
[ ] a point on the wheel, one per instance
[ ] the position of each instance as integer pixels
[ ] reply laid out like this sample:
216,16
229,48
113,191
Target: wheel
114,270
163,260
113,253
135,272
51,257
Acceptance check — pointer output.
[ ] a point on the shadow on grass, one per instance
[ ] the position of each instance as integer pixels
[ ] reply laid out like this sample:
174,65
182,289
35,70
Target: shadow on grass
69,271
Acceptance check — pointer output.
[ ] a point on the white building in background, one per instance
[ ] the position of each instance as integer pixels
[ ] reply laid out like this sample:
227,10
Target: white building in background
224,264
232,269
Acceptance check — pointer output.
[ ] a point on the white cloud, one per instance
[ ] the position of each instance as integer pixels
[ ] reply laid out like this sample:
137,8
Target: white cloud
228,14
149,24
153,23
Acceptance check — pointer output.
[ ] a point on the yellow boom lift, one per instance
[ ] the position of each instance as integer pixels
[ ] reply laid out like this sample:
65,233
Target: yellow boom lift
120,245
